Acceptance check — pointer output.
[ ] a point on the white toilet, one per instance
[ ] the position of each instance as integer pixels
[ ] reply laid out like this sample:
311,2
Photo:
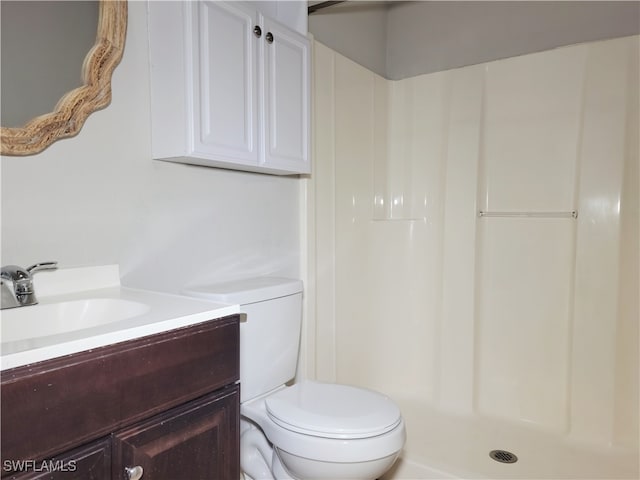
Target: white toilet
309,430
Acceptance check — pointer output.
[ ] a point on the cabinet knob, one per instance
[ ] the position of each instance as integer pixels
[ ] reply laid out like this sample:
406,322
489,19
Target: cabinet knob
134,473
269,37
257,31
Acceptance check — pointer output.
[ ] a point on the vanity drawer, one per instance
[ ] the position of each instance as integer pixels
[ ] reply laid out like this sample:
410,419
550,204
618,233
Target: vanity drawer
51,406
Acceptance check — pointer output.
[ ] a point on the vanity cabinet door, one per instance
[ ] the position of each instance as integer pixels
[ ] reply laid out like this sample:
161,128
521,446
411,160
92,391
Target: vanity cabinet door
286,97
198,440
89,462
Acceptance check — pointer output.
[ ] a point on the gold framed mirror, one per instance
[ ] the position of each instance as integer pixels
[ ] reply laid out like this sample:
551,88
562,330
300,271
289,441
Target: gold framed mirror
74,107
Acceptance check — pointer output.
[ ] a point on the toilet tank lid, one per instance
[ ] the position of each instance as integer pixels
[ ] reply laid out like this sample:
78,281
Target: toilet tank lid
246,291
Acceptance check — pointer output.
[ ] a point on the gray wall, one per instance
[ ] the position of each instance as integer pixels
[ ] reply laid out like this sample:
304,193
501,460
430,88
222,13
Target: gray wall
357,30
411,38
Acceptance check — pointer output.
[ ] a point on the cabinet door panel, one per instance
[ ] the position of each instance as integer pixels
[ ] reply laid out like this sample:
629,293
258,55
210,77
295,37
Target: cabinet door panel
286,99
199,440
224,94
89,462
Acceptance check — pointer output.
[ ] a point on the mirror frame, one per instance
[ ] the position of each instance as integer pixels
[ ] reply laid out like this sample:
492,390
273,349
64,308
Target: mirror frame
74,107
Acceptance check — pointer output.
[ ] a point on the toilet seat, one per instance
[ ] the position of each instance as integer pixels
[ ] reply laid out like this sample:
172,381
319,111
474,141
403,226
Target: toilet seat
332,411
312,446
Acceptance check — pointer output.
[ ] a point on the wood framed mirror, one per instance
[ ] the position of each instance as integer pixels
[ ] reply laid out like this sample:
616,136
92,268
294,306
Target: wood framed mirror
71,111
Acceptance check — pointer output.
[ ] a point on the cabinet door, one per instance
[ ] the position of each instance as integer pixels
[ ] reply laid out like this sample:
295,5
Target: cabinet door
89,462
198,440
286,98
224,97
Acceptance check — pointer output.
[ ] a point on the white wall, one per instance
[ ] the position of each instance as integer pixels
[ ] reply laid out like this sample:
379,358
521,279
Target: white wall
529,320
99,198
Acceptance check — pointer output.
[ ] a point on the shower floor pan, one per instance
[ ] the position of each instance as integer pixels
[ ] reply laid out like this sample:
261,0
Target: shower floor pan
441,445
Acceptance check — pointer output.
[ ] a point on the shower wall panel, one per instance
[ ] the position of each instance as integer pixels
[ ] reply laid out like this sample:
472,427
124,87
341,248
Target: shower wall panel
528,162
522,317
517,316
609,90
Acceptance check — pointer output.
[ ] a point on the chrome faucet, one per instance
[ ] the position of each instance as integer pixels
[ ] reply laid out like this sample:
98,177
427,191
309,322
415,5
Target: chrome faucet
16,284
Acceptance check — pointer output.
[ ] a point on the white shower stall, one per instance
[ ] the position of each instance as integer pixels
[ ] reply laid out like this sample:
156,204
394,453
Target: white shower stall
474,253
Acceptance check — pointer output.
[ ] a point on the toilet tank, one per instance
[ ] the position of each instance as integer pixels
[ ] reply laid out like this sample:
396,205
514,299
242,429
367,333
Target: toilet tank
270,333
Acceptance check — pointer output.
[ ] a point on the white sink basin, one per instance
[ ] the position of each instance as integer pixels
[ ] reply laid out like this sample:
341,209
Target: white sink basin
55,318
85,308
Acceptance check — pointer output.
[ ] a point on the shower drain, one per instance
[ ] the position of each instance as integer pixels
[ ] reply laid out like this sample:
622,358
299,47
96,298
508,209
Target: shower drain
503,456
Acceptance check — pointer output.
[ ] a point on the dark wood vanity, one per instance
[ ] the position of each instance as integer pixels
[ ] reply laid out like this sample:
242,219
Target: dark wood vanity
168,403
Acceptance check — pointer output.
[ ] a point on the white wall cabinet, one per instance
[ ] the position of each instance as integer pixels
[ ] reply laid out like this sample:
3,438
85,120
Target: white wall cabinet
230,88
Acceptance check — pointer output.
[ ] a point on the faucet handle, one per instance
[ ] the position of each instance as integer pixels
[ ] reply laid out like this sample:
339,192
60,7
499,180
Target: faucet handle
17,284
42,266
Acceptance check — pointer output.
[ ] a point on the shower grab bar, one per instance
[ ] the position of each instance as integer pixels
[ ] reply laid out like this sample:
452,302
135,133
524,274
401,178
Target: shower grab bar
571,214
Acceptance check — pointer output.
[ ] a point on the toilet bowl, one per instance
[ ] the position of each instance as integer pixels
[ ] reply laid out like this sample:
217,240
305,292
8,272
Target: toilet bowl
323,431
308,430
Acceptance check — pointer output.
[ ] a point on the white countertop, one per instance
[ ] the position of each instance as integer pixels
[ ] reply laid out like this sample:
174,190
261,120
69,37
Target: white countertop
166,312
